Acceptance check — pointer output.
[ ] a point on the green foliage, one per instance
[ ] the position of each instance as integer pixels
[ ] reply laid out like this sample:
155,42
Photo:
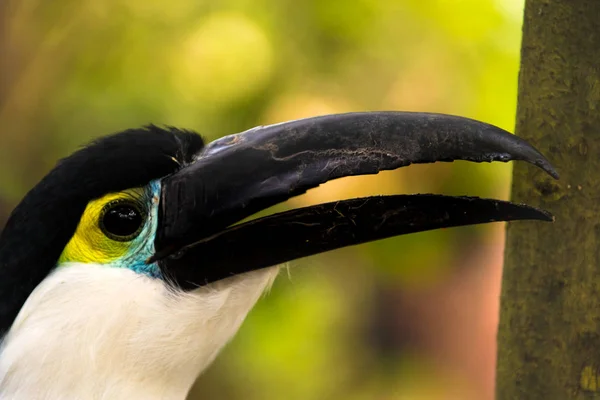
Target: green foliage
83,69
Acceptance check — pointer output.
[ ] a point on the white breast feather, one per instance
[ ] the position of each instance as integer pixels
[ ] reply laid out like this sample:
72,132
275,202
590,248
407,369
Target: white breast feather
95,332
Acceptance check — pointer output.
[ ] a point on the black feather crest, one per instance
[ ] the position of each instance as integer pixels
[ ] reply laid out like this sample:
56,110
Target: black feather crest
42,224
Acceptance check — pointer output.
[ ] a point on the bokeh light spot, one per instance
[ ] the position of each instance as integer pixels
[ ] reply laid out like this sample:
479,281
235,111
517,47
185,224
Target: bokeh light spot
227,58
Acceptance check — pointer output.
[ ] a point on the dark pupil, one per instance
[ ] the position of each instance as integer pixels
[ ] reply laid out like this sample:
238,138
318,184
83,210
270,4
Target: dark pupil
122,220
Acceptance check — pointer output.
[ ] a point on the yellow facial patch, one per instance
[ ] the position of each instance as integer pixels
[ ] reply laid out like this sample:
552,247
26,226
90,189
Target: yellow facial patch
90,244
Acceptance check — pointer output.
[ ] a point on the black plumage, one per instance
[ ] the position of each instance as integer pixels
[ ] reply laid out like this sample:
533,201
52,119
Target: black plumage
42,224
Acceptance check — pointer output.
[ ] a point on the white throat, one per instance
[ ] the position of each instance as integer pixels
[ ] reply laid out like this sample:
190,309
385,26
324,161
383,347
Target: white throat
96,332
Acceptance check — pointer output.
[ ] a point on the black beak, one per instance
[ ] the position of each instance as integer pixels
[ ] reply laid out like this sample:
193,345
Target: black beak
240,175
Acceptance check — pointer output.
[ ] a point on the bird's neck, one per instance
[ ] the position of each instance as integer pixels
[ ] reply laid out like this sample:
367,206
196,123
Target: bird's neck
92,331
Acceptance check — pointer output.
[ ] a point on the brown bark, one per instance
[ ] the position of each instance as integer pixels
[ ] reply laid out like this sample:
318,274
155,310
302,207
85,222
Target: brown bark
549,334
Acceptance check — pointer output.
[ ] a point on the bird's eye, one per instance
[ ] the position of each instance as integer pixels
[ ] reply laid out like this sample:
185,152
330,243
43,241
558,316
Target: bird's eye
122,220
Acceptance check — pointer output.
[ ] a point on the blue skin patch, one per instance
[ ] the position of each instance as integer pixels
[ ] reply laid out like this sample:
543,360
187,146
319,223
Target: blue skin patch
142,247
91,245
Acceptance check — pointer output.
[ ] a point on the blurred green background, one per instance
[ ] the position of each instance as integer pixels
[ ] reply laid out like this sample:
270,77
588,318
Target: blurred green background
406,318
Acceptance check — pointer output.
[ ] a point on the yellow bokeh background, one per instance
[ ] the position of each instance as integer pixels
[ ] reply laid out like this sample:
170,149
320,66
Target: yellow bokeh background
405,318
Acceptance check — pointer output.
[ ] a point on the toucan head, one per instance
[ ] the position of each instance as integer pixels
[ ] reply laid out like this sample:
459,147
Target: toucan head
137,248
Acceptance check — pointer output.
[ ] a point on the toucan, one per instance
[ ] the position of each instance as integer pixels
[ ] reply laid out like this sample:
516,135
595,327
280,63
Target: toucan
133,262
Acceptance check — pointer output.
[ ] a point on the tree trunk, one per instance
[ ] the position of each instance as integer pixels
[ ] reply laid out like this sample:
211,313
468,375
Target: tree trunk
549,334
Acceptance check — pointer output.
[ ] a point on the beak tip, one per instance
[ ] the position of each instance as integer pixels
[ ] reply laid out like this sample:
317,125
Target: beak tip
546,166
541,215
